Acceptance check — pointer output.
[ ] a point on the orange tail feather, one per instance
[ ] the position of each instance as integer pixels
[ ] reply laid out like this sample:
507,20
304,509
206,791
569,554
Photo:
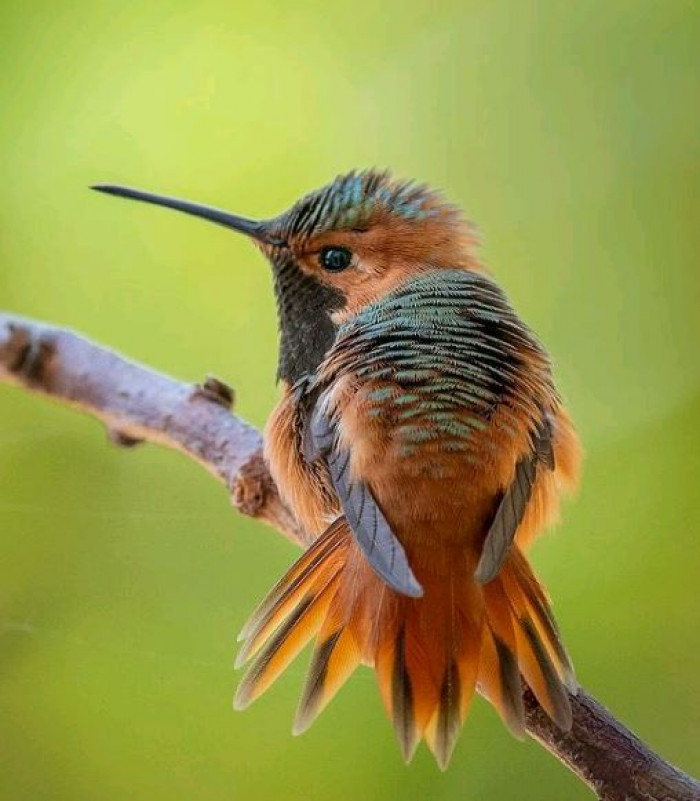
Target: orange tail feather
429,653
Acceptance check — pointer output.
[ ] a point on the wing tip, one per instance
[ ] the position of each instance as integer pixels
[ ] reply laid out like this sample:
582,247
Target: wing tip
489,566
414,588
485,572
409,586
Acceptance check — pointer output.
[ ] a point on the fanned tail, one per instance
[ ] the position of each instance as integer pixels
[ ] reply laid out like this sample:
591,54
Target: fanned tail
521,638
429,653
291,614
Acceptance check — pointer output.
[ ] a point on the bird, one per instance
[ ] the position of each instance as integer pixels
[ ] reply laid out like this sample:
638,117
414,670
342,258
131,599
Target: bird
422,444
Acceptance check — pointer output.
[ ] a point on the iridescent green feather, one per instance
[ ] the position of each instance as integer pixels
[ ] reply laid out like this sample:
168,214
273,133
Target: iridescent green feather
438,355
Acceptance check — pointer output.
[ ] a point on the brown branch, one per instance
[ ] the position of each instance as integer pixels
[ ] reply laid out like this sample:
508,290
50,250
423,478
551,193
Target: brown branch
606,755
137,404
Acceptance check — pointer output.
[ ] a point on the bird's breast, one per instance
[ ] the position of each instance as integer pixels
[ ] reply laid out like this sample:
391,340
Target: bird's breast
435,392
438,482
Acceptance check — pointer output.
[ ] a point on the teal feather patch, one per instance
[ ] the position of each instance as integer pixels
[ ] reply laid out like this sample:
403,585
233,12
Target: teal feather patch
438,355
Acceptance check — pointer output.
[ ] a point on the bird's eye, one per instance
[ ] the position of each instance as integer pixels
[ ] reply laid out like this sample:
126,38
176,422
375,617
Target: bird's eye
335,259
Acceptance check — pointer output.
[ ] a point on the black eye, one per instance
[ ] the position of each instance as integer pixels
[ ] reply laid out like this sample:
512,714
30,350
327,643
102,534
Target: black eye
335,259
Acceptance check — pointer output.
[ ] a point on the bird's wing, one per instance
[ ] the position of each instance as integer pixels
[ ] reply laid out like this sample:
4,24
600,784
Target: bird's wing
370,528
433,359
511,509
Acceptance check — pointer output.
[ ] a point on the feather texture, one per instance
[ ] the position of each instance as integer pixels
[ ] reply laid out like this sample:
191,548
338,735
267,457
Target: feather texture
432,424
366,520
511,510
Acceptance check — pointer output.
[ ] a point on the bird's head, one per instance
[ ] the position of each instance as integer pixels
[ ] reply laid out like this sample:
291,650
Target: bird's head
339,248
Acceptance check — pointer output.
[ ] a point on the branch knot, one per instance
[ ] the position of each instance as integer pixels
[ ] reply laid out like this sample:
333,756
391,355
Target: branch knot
251,486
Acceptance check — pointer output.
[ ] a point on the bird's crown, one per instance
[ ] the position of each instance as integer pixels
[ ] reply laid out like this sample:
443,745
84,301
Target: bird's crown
357,200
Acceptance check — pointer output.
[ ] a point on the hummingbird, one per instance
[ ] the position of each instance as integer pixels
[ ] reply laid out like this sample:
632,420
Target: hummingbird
422,444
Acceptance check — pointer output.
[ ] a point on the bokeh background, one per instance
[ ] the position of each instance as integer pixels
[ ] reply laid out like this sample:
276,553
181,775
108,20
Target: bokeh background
567,130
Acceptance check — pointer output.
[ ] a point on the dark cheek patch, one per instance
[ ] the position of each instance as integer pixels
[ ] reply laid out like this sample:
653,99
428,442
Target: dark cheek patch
304,305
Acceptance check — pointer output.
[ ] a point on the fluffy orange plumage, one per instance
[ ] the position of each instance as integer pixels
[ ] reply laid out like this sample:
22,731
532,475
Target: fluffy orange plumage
430,652
421,442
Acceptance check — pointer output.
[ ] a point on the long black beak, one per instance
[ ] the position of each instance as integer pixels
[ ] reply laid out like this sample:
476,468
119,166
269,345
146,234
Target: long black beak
256,229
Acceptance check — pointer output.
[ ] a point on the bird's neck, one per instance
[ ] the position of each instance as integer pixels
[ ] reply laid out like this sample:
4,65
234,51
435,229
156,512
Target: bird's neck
304,306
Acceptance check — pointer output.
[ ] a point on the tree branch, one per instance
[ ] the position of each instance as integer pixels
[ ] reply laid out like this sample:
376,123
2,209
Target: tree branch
137,405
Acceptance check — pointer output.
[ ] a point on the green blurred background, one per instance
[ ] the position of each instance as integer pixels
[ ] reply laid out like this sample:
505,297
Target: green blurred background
569,133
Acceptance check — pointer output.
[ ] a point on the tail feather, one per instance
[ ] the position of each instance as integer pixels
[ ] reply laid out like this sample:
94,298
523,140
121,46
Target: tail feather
500,682
335,657
499,673
429,653
285,644
456,667
396,688
541,656
446,723
285,594
530,599
541,676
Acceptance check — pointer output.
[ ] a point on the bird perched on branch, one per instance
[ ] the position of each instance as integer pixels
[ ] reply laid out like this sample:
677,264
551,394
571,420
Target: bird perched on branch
421,440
